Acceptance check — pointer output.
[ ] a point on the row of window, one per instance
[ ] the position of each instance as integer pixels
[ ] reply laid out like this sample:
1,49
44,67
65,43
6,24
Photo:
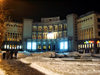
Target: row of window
9,25
12,46
13,39
53,35
84,46
85,34
49,28
90,18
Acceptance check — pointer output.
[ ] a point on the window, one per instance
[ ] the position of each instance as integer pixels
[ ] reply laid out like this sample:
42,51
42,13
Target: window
34,28
98,33
44,47
28,45
33,45
98,19
78,46
39,28
98,26
64,45
85,45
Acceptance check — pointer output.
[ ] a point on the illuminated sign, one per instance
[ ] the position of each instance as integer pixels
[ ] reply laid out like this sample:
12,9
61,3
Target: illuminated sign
88,42
98,42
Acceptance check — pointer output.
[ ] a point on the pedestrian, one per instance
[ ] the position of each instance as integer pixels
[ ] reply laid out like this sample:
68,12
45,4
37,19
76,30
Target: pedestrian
16,54
11,54
4,54
7,54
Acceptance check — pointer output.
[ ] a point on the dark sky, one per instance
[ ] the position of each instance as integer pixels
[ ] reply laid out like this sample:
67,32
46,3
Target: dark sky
48,8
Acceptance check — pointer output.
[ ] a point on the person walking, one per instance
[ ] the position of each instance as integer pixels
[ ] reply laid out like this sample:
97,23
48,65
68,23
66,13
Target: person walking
16,54
7,54
11,54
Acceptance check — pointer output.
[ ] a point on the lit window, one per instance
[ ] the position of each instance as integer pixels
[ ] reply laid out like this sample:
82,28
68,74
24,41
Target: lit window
28,45
78,46
44,47
13,47
61,45
20,47
64,45
99,44
10,46
5,46
81,46
85,45
92,45
17,46
33,45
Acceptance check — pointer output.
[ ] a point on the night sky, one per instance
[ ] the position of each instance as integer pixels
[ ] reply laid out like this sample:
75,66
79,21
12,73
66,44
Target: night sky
49,8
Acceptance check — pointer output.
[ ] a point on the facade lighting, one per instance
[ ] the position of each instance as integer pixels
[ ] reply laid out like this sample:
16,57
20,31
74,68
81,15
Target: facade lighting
88,42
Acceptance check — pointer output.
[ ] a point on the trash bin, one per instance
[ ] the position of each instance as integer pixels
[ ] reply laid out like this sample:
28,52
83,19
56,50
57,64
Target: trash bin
4,55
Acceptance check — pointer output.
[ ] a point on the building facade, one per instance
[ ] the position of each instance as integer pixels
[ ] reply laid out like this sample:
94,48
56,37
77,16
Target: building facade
88,26
13,36
46,34
51,34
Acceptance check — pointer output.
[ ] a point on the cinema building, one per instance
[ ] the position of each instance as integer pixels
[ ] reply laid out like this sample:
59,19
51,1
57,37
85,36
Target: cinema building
51,34
88,26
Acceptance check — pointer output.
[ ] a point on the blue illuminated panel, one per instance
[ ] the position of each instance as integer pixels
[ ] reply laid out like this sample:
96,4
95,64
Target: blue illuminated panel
64,46
29,45
33,45
61,45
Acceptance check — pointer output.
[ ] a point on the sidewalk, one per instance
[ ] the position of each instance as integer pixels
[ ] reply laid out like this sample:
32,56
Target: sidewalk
15,67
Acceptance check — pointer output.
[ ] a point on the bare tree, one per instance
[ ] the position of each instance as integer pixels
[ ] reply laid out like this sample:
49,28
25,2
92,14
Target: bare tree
3,14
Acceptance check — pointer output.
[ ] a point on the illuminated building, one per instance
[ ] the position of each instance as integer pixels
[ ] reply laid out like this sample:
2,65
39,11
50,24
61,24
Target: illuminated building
13,36
51,34
89,32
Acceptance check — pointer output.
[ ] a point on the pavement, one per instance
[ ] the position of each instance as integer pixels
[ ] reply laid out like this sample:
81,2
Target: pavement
15,67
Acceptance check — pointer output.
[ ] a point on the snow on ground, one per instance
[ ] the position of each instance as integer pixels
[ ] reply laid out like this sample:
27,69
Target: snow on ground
2,72
55,66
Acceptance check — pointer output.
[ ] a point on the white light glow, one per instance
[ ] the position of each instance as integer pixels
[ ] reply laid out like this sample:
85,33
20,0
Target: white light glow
5,46
13,47
17,46
20,47
28,45
61,45
50,35
66,45
33,45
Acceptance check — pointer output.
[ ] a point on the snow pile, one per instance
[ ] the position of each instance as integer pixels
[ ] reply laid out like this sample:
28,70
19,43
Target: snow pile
73,54
44,54
2,72
55,66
